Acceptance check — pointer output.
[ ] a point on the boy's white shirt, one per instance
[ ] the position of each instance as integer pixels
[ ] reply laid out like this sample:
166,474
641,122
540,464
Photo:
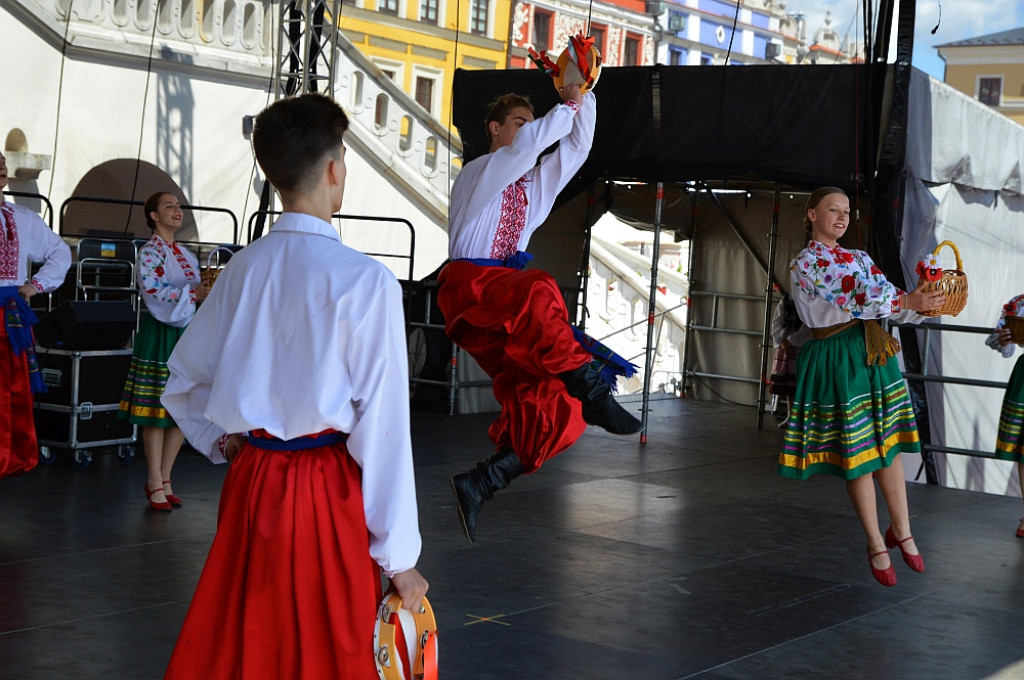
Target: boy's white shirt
477,191
257,355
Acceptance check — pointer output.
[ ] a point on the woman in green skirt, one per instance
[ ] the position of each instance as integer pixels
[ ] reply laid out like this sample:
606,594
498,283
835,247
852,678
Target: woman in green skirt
1010,439
851,416
169,284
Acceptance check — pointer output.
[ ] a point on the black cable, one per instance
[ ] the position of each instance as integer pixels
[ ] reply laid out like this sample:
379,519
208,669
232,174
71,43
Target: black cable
735,18
934,30
252,172
142,120
712,391
60,93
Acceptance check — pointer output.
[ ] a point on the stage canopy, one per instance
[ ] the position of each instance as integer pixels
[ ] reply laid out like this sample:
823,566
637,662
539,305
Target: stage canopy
800,126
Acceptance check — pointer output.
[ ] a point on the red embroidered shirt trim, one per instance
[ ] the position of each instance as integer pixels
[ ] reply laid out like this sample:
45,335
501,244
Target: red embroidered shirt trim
9,245
511,221
186,268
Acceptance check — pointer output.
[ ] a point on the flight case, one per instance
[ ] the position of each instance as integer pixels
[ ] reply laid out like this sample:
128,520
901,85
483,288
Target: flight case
79,409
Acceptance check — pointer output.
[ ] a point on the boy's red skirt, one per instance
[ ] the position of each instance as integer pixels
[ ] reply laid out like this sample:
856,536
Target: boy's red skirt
515,324
289,591
19,451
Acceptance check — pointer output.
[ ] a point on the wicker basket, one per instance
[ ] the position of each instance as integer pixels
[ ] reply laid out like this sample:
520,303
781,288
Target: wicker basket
1015,324
209,274
953,283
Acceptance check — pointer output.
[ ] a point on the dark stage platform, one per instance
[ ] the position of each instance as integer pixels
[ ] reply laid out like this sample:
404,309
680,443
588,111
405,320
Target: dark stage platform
685,558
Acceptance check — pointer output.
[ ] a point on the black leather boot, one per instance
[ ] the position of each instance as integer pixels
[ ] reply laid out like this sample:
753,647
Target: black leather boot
599,405
472,489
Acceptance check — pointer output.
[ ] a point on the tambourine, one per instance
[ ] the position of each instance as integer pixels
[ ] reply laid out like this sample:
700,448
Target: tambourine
579,63
405,642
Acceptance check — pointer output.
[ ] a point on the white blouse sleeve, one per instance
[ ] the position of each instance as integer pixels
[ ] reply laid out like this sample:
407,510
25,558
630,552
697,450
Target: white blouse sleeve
168,296
1014,307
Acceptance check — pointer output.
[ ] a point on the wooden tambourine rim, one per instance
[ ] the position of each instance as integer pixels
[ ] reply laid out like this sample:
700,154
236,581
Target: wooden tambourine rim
385,639
593,58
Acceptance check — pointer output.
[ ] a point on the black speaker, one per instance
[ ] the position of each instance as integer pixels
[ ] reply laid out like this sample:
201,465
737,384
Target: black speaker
84,326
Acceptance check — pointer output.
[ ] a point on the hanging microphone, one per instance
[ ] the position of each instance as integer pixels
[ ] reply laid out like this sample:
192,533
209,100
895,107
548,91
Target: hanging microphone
940,18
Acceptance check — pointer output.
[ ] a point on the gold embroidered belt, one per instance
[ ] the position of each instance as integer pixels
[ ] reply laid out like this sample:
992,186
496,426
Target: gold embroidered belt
879,344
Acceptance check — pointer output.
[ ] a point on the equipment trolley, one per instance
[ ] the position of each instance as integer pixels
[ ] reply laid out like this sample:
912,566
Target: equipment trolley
79,410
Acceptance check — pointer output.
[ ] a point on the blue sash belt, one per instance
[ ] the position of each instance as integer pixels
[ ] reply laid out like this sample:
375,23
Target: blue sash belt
517,261
299,443
18,320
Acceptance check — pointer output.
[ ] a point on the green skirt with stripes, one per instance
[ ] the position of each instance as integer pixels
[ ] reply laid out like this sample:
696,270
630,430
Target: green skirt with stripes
1010,440
848,418
147,376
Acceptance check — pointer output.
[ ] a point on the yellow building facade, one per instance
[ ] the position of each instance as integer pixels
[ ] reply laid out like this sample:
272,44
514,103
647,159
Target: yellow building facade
420,43
989,68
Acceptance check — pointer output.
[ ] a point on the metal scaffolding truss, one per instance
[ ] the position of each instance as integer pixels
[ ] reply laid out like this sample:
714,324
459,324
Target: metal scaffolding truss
307,47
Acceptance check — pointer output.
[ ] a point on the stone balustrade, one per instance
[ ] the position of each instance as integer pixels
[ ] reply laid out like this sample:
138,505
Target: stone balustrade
239,40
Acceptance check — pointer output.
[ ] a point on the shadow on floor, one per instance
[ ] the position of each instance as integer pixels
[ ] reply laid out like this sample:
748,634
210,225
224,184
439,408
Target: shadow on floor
687,557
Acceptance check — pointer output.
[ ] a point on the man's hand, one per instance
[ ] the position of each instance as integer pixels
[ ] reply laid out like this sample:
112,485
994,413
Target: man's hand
27,290
571,91
233,446
411,588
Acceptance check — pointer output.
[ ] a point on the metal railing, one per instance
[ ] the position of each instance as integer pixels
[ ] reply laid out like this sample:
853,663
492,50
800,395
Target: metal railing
929,329
132,203
47,214
360,218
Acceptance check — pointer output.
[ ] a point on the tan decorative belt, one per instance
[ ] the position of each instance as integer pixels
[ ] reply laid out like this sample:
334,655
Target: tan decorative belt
879,344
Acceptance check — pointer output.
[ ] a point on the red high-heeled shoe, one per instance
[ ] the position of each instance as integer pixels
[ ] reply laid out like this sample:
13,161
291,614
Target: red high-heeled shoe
165,506
915,562
1020,529
887,577
171,498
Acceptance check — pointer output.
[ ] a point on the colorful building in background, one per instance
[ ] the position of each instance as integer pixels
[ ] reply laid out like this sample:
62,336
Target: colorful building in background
989,68
623,33
678,32
418,44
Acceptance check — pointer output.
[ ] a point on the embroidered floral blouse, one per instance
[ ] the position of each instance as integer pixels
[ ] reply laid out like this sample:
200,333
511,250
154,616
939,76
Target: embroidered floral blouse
834,285
1014,307
168,275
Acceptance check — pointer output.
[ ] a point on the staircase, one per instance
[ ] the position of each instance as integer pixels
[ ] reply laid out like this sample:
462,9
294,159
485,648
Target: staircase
619,287
235,41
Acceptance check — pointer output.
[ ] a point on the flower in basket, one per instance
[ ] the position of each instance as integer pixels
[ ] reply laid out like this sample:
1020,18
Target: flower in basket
930,268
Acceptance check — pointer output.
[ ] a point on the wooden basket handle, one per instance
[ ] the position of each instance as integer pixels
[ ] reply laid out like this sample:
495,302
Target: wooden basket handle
959,262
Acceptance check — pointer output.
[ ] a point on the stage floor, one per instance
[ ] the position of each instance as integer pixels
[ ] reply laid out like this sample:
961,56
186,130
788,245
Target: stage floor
684,558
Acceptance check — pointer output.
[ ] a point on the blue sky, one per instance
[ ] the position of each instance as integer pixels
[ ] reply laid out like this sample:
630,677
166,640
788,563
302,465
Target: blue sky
960,19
